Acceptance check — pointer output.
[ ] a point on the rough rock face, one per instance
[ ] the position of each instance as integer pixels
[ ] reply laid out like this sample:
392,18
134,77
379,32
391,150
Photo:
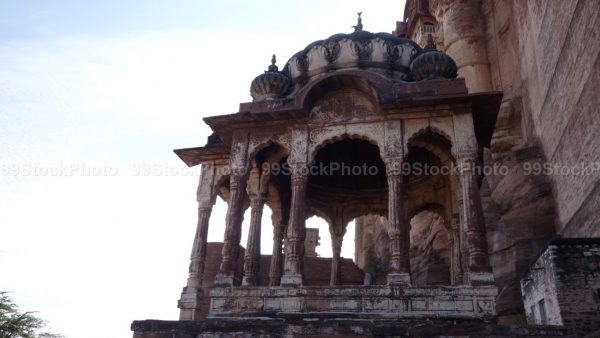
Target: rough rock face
548,117
429,250
372,246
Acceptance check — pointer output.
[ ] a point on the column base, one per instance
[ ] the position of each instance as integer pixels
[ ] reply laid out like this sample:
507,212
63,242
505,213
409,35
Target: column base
399,278
481,278
222,280
190,303
249,281
291,280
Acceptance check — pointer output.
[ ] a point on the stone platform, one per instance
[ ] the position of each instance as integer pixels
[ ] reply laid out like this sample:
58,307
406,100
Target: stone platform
464,302
350,311
315,326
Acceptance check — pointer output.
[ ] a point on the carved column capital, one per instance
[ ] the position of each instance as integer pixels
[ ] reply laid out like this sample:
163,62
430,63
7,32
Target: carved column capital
465,162
257,201
393,166
204,208
299,173
236,181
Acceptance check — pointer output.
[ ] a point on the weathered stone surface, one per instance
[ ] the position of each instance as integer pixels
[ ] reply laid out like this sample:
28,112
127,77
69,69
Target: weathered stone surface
562,286
430,250
322,326
382,301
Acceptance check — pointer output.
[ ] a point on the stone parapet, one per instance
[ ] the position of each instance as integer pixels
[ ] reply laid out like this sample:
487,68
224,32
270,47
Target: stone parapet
469,302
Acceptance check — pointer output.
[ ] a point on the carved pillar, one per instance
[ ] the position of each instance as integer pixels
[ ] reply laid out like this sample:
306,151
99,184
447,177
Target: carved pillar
252,254
233,224
399,269
456,271
479,270
336,266
277,255
190,302
294,245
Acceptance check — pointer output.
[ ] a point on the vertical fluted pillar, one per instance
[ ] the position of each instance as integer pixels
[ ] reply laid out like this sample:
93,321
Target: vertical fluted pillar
456,271
336,244
233,224
197,261
190,301
192,297
399,269
294,245
252,254
277,255
479,270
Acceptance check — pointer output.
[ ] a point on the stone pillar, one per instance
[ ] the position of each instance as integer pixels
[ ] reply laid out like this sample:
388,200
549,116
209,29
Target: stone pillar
294,245
456,272
233,224
336,266
399,269
190,302
464,40
277,255
252,254
479,270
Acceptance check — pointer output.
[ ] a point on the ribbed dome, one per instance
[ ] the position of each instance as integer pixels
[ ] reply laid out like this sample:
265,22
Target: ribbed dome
380,52
270,85
432,64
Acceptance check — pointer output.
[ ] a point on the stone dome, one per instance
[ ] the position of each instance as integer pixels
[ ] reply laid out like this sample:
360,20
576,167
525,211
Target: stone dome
432,64
383,53
270,85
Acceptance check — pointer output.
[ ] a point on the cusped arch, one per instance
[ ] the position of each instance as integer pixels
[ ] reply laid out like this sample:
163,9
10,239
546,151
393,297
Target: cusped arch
254,150
434,140
314,149
429,130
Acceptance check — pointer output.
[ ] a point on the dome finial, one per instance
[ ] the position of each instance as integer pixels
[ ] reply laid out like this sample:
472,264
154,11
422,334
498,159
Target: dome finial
430,44
272,67
359,25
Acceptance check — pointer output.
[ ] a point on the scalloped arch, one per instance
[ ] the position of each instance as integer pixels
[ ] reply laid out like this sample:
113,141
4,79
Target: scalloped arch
343,136
441,153
429,130
263,145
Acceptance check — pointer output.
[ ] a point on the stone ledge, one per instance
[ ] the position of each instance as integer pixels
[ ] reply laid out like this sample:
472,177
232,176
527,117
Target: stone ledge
317,326
466,302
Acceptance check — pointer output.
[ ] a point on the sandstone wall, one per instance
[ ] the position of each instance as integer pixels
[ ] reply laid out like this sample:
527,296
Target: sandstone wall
545,55
562,287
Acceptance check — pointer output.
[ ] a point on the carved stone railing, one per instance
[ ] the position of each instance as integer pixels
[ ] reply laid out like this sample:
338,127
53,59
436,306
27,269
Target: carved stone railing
374,301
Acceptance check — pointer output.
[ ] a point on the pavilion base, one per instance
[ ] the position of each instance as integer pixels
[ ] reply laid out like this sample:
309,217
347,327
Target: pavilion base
323,326
382,301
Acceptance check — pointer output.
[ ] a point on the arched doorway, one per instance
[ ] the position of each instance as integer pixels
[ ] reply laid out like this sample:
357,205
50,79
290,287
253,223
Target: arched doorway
347,179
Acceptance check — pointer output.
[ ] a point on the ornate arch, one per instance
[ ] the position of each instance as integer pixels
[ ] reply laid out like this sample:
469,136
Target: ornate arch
442,151
314,149
255,149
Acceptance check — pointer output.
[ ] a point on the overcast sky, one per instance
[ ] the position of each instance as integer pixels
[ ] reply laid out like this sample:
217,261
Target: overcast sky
97,215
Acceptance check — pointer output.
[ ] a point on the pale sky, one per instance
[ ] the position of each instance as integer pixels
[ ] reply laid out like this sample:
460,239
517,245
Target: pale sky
97,215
